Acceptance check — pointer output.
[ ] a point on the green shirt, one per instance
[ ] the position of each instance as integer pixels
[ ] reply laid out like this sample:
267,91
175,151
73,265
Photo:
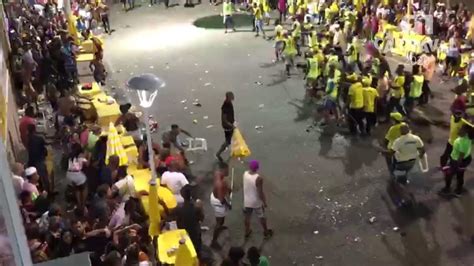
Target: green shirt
263,261
461,145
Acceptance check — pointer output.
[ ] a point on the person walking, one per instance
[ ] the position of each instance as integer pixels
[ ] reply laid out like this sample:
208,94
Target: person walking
227,117
254,199
227,11
282,10
355,100
457,121
371,96
219,201
459,160
396,92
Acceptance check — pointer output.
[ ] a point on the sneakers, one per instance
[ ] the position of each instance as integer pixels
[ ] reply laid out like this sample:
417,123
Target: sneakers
444,192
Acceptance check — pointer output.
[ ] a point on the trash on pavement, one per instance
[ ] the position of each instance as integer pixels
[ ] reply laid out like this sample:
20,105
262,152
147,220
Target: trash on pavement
319,257
396,229
151,67
316,232
207,84
258,83
205,117
210,126
357,239
261,106
195,121
184,101
372,219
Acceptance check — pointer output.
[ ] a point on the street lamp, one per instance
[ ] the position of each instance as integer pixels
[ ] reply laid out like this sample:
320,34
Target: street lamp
146,86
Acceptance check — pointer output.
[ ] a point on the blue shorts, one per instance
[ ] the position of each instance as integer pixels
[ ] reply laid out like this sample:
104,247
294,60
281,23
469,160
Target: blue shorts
330,104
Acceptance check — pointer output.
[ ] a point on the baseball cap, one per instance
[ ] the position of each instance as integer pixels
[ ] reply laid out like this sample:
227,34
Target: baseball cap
30,171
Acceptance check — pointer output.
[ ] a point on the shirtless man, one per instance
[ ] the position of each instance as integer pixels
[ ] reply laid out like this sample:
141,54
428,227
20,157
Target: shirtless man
219,200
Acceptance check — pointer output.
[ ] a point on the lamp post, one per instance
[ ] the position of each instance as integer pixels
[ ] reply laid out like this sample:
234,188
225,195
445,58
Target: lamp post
146,86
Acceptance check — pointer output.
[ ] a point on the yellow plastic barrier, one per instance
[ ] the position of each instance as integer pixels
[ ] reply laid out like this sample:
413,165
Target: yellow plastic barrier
85,57
142,179
106,113
169,249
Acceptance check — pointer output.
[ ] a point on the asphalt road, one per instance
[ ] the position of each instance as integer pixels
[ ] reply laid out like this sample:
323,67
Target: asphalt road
322,186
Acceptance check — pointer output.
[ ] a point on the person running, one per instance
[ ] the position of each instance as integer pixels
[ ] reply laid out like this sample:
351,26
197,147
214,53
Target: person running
254,199
371,96
459,160
219,200
289,52
228,10
227,117
457,121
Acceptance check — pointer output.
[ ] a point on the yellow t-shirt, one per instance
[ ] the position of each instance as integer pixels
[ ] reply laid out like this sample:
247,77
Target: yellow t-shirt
454,128
398,82
356,94
370,94
393,133
257,12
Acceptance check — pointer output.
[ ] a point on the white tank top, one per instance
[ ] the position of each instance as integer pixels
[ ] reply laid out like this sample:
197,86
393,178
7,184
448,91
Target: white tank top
251,197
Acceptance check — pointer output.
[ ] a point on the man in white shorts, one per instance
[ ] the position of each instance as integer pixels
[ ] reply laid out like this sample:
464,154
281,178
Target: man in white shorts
219,201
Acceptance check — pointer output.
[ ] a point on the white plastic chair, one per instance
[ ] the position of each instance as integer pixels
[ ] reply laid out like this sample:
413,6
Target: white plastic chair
197,144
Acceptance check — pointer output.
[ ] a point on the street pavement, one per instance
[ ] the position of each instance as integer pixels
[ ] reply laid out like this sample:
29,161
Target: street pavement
322,186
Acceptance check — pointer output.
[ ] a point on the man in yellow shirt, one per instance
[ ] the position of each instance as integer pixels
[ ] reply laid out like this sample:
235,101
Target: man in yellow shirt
289,52
355,100
371,96
331,97
258,14
393,133
416,89
279,40
228,10
397,92
456,122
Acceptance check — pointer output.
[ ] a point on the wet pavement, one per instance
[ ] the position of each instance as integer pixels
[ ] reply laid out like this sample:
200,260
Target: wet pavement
323,188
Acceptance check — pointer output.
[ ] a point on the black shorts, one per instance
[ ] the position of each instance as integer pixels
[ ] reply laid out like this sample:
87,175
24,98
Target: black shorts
228,135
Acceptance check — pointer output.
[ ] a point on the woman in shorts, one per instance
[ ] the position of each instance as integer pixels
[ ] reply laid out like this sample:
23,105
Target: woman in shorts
75,175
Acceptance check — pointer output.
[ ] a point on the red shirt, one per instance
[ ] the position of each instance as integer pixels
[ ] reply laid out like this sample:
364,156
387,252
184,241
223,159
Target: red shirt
459,104
24,123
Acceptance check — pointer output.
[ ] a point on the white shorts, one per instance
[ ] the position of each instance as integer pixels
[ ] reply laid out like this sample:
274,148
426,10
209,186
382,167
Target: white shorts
220,210
76,178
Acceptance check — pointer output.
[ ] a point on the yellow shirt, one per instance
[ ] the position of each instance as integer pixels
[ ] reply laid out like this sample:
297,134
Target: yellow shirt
398,82
356,94
393,133
370,94
454,128
257,12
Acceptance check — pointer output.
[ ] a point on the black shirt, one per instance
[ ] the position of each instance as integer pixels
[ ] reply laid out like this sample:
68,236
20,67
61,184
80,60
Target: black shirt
227,111
37,151
188,217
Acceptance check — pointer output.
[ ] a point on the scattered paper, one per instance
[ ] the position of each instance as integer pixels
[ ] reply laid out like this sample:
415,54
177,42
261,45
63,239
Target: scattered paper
319,257
207,84
205,117
151,67
372,219
195,121
206,71
261,106
396,229
210,126
184,101
185,108
316,232
191,113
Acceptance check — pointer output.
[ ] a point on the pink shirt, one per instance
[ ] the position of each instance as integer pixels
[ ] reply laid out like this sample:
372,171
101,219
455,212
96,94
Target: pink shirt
24,123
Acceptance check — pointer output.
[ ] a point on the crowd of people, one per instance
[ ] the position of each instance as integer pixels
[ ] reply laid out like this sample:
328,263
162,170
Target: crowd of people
346,74
341,48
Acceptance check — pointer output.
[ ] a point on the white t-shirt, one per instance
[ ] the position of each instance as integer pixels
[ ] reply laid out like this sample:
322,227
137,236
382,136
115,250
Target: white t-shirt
126,187
18,184
406,147
175,181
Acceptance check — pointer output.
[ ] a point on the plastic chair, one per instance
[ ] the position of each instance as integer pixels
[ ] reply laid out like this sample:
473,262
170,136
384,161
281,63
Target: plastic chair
197,144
